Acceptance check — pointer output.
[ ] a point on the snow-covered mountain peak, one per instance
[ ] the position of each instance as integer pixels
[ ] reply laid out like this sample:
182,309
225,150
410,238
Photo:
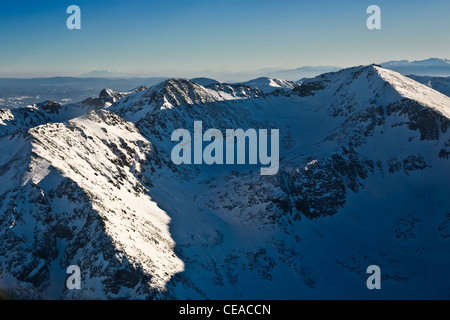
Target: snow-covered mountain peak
416,91
205,81
266,84
111,96
368,97
366,85
179,91
174,93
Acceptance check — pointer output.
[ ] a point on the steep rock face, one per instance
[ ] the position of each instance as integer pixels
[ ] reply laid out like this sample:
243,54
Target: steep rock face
49,106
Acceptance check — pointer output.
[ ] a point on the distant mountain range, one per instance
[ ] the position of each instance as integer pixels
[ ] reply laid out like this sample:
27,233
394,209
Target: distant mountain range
286,74
429,67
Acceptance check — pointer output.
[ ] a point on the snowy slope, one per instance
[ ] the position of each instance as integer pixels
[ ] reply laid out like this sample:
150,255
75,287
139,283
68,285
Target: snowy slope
84,194
441,84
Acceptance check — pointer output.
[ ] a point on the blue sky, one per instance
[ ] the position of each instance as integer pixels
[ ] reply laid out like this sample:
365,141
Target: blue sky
230,35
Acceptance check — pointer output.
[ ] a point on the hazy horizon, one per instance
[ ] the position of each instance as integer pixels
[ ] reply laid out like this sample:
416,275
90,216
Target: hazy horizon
217,75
